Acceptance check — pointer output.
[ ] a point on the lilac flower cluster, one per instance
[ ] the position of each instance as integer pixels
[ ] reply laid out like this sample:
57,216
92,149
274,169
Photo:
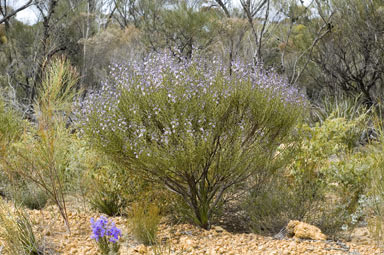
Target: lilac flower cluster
164,91
102,229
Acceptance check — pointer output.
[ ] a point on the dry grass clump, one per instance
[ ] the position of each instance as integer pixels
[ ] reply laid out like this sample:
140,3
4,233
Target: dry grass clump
16,233
144,222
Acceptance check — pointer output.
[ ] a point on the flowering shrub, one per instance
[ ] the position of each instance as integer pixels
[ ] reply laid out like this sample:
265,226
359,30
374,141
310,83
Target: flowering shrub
190,125
106,235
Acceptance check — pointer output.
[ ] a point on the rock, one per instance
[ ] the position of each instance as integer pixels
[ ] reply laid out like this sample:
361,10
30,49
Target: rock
142,249
303,230
361,236
186,242
218,229
281,235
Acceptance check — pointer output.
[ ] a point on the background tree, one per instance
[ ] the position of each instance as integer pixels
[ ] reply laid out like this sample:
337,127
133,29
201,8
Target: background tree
351,58
181,28
318,45
258,14
298,34
7,12
234,29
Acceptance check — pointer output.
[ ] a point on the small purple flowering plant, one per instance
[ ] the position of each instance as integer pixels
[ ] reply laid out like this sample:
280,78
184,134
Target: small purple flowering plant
106,235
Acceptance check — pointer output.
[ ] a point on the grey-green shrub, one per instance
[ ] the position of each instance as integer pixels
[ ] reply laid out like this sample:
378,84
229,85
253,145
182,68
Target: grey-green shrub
190,125
105,185
349,108
109,189
323,184
375,198
29,195
339,106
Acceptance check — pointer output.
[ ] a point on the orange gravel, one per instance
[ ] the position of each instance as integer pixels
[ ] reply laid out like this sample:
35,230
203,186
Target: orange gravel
181,239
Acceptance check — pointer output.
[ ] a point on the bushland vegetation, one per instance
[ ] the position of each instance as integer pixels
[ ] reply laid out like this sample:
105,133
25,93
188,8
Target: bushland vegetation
190,110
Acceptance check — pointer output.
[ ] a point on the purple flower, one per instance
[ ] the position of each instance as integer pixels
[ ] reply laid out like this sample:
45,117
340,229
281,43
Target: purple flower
102,229
151,100
114,233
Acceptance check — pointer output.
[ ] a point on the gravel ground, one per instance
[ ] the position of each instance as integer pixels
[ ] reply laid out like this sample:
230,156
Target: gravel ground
185,239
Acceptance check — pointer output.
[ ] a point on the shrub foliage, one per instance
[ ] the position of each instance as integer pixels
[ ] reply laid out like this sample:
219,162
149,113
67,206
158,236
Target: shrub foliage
323,184
42,154
190,125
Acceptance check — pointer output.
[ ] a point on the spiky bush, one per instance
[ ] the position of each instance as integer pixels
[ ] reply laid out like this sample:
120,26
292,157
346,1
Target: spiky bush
11,129
42,154
11,124
190,125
